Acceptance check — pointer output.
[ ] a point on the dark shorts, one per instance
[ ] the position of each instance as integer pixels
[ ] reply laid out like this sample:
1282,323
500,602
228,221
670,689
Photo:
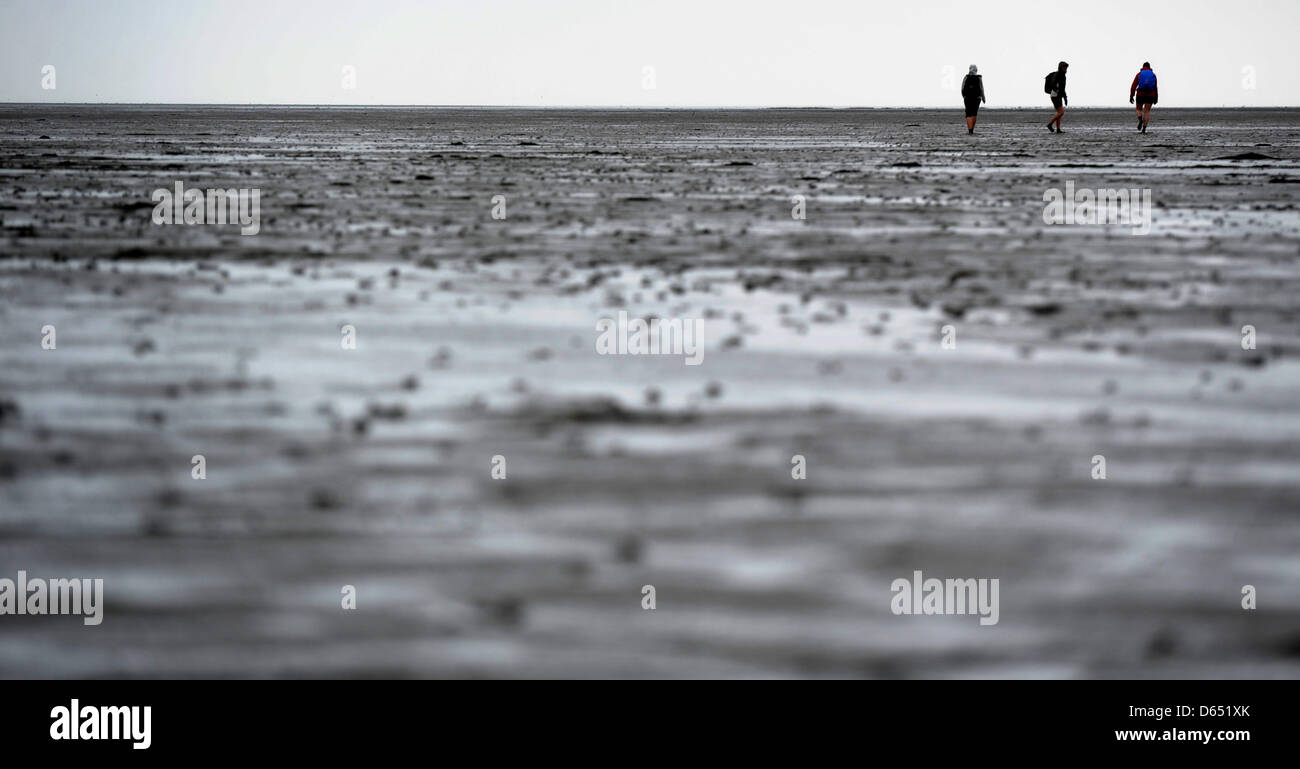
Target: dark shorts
1146,96
1056,102
972,106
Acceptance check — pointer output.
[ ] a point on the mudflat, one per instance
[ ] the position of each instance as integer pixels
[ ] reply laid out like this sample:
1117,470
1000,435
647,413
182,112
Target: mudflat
471,254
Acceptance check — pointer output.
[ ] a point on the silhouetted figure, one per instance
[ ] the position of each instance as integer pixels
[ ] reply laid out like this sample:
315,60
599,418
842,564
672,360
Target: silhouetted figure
972,92
1054,86
1144,93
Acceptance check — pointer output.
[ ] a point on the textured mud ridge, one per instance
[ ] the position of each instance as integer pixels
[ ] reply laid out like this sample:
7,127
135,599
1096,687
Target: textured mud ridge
475,338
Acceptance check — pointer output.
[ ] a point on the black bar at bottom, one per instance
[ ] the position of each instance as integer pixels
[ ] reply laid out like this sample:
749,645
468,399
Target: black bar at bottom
332,719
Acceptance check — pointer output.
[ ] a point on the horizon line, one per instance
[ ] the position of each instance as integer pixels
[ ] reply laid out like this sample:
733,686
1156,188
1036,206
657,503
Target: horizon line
601,107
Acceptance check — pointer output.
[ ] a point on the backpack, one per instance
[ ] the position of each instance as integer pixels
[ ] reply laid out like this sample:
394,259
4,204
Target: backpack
970,87
1049,83
1146,79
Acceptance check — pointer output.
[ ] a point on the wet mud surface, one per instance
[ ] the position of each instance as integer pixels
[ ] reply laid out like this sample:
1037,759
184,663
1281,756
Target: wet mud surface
476,338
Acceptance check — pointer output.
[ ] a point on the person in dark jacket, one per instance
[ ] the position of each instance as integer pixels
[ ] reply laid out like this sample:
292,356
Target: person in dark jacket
1059,99
1144,92
972,92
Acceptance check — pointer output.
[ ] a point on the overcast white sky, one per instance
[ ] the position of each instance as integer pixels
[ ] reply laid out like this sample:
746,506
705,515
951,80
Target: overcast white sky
594,52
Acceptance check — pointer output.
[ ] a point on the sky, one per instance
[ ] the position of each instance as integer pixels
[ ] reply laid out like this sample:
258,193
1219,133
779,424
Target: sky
630,53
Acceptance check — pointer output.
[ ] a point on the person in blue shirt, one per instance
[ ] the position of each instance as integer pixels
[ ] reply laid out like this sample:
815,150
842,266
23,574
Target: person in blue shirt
1144,93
